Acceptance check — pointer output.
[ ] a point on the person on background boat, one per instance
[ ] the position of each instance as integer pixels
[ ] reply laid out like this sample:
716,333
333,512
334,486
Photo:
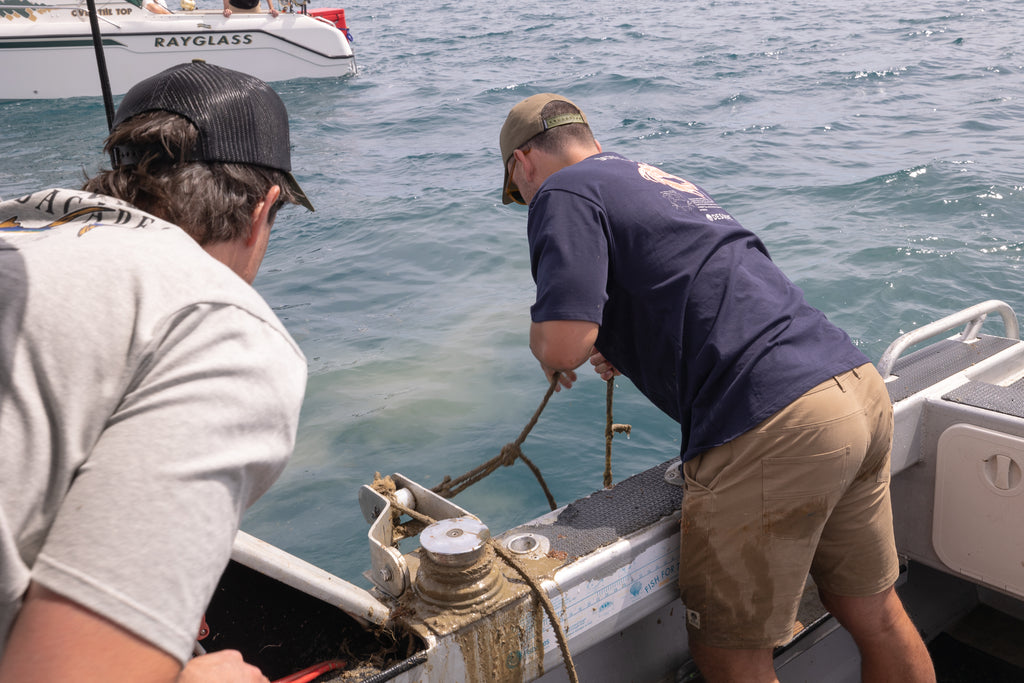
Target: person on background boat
157,7
247,7
786,426
148,394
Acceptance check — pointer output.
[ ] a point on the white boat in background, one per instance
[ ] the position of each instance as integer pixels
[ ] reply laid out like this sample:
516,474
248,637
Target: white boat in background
454,609
47,51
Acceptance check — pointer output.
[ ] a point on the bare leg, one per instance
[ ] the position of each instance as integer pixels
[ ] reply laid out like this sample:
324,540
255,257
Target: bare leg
890,647
721,665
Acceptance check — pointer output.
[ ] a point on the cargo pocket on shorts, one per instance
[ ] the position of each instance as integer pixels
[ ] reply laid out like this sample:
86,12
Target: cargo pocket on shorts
799,492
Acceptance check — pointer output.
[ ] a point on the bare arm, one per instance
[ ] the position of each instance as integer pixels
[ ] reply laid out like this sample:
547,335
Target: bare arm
56,639
562,346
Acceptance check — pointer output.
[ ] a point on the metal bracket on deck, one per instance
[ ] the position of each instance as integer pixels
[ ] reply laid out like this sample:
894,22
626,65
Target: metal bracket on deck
390,572
972,318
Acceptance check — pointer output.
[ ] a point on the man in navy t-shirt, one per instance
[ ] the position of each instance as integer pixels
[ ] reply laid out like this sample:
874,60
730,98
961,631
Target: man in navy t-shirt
786,426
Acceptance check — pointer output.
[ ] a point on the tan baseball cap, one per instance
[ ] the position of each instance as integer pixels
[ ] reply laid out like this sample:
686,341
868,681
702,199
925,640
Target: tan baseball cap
522,124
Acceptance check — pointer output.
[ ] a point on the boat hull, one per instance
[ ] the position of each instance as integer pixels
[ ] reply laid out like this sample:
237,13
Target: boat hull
608,563
54,56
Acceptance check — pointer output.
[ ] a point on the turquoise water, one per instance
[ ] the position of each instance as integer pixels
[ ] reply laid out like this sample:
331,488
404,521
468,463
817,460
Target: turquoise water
877,148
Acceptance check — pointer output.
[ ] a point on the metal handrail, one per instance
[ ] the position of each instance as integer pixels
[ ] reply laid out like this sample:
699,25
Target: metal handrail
972,318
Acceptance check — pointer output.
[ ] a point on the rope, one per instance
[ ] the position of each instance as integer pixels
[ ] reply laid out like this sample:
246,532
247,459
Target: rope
549,608
449,488
511,561
610,430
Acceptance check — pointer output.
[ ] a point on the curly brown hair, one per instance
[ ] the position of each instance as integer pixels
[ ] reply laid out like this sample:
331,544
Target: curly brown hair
211,201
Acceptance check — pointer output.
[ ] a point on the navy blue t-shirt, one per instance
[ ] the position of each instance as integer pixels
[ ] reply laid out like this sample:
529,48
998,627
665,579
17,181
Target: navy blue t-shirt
690,306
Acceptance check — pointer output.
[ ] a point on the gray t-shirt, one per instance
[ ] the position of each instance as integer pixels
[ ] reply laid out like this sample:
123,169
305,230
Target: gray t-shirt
148,395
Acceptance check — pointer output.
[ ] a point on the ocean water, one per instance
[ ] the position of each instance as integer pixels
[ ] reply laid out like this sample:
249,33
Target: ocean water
877,149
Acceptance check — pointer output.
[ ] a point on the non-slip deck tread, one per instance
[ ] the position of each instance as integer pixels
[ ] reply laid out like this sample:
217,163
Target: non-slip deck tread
608,515
923,368
1008,400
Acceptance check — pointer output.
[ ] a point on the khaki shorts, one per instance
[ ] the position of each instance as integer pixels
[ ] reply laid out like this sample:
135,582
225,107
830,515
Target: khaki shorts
806,491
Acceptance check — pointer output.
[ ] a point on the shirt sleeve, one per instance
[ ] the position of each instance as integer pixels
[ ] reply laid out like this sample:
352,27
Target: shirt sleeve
204,429
569,255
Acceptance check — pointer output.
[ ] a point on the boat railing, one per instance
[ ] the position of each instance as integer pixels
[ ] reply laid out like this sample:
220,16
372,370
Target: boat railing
972,318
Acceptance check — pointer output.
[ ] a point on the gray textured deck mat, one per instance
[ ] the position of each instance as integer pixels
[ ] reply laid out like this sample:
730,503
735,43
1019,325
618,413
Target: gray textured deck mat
1008,400
605,516
923,368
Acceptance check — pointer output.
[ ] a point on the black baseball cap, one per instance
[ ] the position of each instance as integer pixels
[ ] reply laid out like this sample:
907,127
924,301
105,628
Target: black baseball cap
239,117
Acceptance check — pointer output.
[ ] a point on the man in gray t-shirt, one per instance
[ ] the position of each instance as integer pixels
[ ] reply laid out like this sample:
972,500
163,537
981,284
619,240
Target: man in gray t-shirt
148,394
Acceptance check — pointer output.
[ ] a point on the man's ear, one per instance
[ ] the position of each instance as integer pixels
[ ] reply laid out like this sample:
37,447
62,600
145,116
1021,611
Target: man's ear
525,161
261,219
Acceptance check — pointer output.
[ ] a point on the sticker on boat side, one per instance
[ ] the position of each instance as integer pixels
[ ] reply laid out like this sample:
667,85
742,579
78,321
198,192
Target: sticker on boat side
11,13
207,41
589,603
103,12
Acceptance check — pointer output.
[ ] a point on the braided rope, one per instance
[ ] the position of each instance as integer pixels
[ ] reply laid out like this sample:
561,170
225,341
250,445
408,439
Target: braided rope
449,488
610,430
